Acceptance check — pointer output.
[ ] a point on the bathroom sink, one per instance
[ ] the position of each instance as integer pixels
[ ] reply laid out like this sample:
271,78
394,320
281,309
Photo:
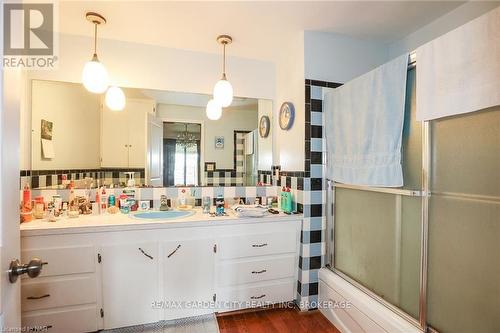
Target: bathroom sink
167,215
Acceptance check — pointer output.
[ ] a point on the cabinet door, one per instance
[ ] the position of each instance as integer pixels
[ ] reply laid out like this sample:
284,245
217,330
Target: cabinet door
130,284
114,138
137,111
188,277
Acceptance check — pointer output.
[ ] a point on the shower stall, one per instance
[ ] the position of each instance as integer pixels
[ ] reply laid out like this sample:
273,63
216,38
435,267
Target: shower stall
428,252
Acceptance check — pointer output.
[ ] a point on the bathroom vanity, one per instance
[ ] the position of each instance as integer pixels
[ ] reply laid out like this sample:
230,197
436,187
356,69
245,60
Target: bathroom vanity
113,271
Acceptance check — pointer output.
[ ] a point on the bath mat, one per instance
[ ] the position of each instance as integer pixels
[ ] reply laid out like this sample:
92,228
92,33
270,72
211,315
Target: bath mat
199,324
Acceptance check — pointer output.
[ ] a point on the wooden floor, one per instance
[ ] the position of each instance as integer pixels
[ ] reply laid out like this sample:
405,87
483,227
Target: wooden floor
275,320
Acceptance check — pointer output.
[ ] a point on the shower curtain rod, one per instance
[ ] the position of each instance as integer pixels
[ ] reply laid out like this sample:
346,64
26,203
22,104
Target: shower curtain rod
412,59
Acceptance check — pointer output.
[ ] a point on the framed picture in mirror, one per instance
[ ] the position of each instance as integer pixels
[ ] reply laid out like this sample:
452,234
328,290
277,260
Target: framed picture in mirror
219,142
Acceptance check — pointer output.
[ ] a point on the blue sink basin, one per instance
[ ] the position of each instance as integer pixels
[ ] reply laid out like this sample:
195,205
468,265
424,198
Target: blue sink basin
168,215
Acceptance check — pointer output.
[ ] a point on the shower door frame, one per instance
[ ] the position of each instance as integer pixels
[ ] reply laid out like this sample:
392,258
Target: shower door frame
424,193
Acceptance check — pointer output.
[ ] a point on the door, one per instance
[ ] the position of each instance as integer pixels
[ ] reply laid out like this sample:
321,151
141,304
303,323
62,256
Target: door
188,277
10,304
155,151
129,284
168,162
114,138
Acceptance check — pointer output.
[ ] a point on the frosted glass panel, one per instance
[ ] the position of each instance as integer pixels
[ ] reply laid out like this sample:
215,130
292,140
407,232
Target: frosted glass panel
377,243
464,224
466,153
464,266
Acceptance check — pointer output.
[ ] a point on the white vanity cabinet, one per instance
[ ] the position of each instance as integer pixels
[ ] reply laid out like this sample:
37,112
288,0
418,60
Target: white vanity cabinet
129,283
109,276
256,268
188,277
123,134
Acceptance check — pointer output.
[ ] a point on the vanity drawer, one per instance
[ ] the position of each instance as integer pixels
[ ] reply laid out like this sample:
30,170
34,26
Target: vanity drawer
74,320
248,271
53,293
63,260
256,295
257,244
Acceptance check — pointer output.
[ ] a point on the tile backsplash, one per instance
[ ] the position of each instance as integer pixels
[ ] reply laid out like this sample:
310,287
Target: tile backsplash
55,179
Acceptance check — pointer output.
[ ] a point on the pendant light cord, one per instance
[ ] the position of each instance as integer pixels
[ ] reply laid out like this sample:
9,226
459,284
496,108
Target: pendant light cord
224,61
95,39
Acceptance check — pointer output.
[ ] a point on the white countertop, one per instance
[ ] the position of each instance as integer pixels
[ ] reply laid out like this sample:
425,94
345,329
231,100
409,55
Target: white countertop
119,221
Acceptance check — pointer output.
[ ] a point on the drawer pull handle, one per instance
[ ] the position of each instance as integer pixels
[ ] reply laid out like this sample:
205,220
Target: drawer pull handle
259,245
173,252
38,297
259,272
258,297
147,255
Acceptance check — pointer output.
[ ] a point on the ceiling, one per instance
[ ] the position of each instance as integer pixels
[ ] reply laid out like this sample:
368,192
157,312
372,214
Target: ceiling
259,28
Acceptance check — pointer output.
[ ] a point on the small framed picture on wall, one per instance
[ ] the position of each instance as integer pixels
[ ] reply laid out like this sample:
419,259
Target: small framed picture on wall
219,142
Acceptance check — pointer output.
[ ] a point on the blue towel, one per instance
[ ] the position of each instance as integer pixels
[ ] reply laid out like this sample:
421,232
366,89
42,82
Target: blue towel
364,124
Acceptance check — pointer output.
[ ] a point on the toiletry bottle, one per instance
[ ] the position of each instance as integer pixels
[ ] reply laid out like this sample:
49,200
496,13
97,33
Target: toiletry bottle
219,205
124,204
206,204
64,211
71,198
97,202
39,209
26,198
111,200
182,198
104,200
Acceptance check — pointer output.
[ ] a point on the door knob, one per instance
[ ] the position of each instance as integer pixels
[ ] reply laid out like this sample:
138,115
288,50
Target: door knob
33,268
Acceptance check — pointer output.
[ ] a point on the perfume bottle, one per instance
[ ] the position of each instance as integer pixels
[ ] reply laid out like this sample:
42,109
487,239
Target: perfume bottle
206,205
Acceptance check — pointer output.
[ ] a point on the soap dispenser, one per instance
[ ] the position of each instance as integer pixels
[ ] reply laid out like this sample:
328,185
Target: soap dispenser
131,179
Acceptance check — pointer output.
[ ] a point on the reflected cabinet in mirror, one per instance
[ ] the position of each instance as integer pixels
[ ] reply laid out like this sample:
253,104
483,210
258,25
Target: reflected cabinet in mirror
160,138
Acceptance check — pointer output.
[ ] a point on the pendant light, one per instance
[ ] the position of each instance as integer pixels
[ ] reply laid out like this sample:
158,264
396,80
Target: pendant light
214,110
94,75
223,90
115,98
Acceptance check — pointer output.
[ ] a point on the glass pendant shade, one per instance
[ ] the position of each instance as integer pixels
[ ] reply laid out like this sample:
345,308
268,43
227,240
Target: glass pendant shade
223,93
115,98
95,76
214,110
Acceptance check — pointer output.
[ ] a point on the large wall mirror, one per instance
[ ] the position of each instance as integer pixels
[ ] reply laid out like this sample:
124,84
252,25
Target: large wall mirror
163,137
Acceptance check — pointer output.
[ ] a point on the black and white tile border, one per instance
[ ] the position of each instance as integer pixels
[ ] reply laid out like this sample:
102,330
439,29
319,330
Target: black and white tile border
312,199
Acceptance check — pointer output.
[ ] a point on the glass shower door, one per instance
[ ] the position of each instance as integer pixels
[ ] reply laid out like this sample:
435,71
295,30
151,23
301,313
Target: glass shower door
464,224
377,232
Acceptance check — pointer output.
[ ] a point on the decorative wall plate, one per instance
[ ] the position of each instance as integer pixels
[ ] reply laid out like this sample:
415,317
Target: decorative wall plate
264,126
287,115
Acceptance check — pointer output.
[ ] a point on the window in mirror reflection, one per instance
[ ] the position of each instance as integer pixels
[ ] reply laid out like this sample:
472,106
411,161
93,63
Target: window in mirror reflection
181,154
